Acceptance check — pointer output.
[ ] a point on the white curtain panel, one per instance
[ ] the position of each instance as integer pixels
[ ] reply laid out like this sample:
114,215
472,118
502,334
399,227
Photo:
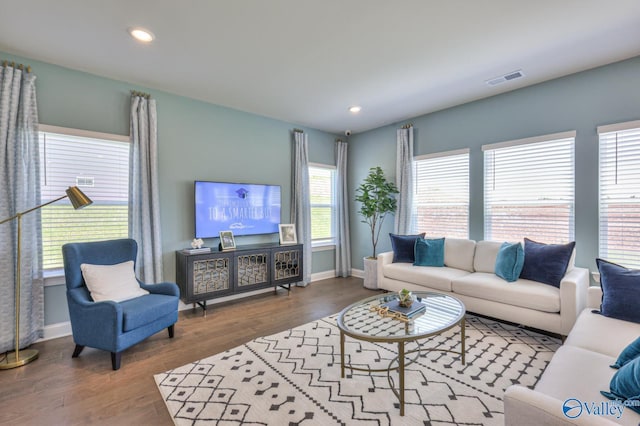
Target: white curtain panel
20,191
404,180
300,202
144,202
343,243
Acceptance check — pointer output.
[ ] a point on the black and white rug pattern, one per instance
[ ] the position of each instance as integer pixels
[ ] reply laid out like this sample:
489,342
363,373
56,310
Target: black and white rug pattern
293,378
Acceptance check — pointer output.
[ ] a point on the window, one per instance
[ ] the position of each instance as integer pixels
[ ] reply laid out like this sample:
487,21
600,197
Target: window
529,189
323,203
619,233
99,165
441,194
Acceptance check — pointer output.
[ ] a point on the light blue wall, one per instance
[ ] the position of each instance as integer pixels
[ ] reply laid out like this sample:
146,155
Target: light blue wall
580,102
197,140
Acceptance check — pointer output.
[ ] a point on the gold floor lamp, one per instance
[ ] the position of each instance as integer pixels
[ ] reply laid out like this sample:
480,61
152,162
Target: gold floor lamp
18,358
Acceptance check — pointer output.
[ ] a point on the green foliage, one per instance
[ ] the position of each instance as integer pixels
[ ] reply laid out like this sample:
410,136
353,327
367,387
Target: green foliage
377,197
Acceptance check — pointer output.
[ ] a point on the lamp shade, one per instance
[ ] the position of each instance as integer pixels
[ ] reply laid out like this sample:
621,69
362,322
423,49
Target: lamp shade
78,198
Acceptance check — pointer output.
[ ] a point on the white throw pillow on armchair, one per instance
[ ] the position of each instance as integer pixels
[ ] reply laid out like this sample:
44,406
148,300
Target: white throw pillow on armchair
112,282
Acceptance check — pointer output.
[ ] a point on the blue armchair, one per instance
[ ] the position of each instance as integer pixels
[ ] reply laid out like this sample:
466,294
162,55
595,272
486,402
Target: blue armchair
114,326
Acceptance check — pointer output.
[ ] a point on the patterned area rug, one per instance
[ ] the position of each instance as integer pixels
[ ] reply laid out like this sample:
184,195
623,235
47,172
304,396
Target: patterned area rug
294,378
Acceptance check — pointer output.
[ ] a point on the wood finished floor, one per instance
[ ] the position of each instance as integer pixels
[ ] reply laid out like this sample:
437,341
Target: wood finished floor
58,390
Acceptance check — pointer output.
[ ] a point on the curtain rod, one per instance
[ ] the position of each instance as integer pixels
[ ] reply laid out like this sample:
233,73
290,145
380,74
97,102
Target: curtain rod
141,94
407,126
12,64
298,131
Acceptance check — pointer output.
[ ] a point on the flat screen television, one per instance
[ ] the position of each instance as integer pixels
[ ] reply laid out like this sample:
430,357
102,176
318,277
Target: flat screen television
243,208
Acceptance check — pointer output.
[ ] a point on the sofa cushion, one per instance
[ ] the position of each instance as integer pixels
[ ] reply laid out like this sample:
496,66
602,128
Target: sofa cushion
602,334
429,252
625,385
509,261
628,354
523,293
486,255
566,377
620,291
546,263
403,247
458,253
428,276
144,310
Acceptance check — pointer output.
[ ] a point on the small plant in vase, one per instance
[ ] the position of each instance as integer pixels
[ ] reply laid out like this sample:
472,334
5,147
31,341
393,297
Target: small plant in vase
405,298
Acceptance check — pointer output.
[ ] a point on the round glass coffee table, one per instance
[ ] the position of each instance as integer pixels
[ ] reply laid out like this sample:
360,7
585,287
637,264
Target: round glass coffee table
368,321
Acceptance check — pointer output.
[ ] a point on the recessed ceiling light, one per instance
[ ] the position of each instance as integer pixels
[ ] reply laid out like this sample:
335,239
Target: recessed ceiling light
355,109
141,34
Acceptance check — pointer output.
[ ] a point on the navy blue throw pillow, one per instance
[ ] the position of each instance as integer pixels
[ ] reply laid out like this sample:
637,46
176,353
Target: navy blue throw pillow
403,247
620,291
625,386
629,353
546,263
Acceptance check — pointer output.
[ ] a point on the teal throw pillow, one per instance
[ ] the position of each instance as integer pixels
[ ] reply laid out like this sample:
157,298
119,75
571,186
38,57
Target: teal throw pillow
625,385
429,252
510,261
629,353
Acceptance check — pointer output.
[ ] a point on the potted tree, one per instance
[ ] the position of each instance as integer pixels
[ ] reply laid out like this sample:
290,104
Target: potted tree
377,197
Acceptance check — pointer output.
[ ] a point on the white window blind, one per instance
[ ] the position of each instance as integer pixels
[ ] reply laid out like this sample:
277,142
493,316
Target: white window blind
619,232
441,194
322,197
100,168
529,189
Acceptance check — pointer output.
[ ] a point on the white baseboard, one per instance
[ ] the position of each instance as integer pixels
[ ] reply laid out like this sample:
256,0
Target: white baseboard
359,273
53,331
62,329
319,276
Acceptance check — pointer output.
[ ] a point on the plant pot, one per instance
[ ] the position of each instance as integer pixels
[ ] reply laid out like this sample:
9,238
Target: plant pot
370,273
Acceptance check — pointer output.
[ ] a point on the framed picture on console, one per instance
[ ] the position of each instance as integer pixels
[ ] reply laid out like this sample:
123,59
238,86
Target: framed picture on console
288,233
227,242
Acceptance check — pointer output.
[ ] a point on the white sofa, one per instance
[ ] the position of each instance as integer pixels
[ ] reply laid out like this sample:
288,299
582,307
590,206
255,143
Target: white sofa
469,275
579,369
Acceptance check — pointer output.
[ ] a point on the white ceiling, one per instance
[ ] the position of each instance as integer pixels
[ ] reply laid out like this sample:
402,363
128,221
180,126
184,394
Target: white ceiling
307,61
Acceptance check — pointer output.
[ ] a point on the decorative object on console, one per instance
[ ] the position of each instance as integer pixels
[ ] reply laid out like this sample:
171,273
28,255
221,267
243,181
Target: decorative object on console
227,242
510,261
620,291
429,252
197,243
403,247
288,233
546,263
16,359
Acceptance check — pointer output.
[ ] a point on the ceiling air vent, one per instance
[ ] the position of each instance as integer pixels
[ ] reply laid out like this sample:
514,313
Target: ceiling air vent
504,78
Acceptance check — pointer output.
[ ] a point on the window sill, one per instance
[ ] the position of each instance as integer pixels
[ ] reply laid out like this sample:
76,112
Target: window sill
53,277
322,247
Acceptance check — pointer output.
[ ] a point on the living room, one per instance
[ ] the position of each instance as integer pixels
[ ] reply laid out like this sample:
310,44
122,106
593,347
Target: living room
203,140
